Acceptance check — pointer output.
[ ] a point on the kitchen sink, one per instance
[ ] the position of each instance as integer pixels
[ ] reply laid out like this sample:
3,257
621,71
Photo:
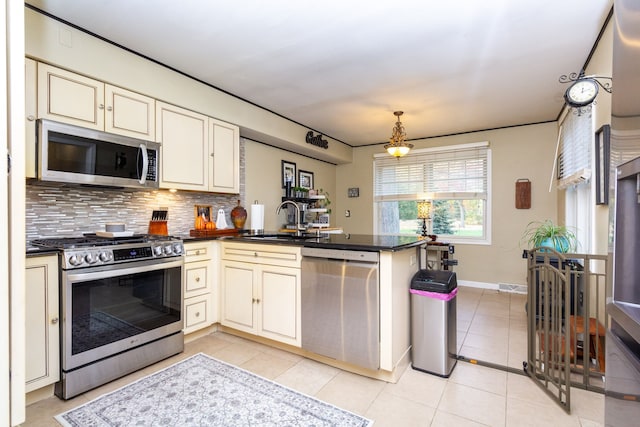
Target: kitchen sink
284,237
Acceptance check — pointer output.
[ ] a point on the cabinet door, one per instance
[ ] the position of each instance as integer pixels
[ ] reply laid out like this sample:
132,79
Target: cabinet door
279,304
197,313
224,157
238,301
184,150
197,279
31,112
42,362
129,113
70,98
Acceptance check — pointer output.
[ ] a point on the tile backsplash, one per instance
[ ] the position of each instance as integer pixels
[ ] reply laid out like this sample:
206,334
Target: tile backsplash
56,211
59,210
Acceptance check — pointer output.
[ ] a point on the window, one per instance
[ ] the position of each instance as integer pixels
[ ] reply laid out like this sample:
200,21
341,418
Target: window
456,178
574,173
574,158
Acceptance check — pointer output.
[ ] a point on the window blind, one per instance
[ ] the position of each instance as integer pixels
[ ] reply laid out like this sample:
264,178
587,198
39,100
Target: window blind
447,173
574,154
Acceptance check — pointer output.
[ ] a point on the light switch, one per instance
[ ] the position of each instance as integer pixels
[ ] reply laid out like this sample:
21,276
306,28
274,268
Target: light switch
347,213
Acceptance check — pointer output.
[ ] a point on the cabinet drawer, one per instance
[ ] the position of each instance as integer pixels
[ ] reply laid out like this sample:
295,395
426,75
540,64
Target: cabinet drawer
197,313
197,251
280,255
197,280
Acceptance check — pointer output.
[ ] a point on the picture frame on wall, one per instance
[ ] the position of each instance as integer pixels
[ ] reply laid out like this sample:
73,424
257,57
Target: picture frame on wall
305,179
203,210
603,153
288,171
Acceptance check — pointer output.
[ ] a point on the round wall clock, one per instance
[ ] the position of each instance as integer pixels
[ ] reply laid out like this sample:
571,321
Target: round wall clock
581,92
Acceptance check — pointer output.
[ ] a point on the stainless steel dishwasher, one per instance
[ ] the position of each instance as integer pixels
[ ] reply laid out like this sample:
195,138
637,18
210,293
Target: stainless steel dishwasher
340,305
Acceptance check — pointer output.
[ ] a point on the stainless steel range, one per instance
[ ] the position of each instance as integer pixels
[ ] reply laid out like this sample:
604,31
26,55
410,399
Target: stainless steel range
121,306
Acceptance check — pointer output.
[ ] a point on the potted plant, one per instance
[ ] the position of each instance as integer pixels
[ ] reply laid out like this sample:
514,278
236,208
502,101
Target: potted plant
324,203
300,192
547,234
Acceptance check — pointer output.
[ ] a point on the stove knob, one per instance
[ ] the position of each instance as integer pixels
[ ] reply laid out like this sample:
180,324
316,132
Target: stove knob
177,248
105,256
168,250
157,250
75,260
90,258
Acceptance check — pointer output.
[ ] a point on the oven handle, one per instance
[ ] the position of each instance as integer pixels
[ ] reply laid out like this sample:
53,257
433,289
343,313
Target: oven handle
84,276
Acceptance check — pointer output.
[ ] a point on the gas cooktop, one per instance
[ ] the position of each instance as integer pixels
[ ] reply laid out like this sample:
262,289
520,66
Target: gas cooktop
91,250
92,240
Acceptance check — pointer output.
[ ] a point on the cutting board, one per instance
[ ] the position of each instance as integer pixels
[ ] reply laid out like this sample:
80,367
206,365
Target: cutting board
214,233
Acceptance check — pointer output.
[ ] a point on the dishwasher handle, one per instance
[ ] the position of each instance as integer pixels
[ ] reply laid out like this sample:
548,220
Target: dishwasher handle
340,254
347,262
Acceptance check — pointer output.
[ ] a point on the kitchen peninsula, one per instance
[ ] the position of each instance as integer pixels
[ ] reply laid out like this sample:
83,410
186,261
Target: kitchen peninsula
265,296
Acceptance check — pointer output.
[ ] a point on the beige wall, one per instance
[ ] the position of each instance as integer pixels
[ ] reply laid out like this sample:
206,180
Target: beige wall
601,64
519,152
263,177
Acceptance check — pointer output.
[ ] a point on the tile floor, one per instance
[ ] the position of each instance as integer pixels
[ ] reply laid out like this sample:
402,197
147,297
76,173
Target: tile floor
492,326
473,396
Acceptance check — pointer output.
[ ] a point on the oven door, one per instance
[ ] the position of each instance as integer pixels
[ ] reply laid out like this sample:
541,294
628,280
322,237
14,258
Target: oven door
106,310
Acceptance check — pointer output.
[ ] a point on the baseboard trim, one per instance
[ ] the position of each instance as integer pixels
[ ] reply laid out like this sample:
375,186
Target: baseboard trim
481,285
501,287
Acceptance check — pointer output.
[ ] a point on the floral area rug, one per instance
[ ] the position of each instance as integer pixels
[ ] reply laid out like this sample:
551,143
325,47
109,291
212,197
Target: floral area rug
203,391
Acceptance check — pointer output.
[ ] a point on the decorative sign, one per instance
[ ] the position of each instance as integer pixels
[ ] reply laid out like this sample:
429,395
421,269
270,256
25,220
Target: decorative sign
317,140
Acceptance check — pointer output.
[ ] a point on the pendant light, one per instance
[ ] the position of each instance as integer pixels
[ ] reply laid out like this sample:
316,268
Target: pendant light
396,146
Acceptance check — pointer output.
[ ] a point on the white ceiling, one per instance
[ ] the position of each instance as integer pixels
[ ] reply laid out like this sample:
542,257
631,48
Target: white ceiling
342,67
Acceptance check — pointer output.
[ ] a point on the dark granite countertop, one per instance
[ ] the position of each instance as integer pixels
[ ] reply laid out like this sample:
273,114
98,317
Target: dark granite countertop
37,251
365,242
356,242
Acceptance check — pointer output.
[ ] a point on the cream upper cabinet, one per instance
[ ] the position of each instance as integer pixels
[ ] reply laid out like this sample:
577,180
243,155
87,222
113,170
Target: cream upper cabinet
67,97
129,113
42,354
70,98
31,113
224,157
184,138
198,152
260,292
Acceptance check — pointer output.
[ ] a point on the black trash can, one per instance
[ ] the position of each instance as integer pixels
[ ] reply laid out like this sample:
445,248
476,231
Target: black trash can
433,321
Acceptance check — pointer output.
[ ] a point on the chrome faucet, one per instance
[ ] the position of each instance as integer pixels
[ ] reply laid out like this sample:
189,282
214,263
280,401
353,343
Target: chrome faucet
295,205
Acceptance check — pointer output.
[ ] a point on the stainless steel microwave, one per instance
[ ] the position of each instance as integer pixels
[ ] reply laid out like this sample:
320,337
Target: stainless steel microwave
77,155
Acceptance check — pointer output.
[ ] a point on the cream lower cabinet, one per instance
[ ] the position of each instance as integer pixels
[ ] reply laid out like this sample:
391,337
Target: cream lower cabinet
260,291
199,308
42,352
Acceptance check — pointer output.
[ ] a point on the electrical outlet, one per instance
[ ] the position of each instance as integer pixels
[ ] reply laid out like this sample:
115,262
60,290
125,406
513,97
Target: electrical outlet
412,260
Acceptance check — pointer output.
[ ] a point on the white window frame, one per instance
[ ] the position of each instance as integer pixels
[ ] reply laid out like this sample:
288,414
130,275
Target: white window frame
486,239
577,182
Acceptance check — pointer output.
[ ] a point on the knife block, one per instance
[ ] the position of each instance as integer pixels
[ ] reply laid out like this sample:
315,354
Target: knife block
158,227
